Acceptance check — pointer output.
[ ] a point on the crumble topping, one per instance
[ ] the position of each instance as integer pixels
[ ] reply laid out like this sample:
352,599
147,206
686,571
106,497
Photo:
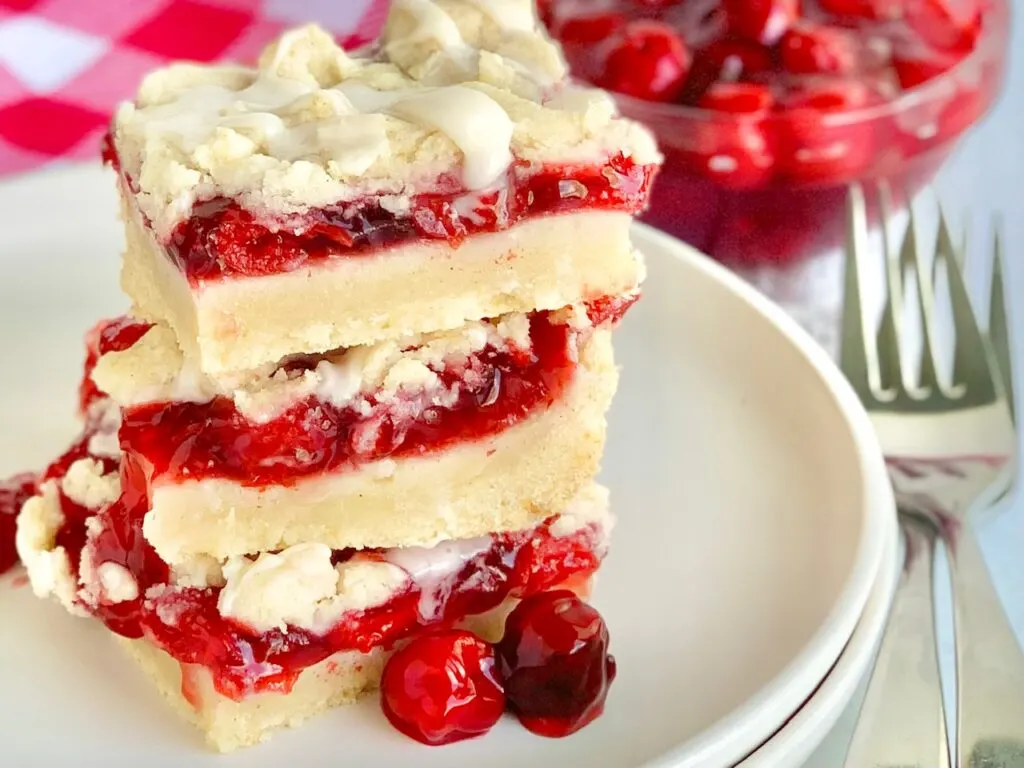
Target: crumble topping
299,586
117,583
198,571
456,86
48,566
86,484
108,583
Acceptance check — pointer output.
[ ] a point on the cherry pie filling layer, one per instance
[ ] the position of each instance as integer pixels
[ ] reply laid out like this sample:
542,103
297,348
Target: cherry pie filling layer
222,239
492,390
187,624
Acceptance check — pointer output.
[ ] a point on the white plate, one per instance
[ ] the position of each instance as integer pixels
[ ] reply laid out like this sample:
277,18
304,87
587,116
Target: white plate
752,499
818,735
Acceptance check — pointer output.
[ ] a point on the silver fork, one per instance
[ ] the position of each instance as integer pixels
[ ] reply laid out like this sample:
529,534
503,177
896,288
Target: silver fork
950,447
990,663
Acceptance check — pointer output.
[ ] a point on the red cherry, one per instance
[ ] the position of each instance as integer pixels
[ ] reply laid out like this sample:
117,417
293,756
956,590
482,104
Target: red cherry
817,147
736,59
650,63
959,111
13,494
810,49
555,659
443,687
764,21
945,24
727,60
734,148
589,29
738,98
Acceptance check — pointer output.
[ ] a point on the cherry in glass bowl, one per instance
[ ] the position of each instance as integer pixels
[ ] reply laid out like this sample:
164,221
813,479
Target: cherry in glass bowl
766,110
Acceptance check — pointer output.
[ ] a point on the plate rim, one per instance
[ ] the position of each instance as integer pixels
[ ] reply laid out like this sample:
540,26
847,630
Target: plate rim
831,638
837,690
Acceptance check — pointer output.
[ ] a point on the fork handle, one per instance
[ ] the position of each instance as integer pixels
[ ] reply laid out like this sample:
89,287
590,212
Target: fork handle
990,664
902,722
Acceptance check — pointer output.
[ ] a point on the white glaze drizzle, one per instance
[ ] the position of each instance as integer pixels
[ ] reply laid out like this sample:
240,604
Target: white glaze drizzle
434,569
475,122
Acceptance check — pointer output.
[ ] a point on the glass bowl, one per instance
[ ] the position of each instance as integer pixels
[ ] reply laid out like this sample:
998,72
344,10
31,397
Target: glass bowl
788,202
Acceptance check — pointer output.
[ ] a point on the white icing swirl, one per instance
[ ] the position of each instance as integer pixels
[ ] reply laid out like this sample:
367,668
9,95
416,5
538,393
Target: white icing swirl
476,123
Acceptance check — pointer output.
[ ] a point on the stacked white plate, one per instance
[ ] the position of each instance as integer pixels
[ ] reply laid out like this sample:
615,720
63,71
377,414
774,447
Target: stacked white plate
748,582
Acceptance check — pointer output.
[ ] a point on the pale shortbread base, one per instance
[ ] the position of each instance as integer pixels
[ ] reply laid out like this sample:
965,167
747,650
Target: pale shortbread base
239,324
510,481
229,725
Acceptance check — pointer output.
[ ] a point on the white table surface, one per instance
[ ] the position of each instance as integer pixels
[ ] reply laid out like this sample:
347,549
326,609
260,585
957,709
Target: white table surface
985,177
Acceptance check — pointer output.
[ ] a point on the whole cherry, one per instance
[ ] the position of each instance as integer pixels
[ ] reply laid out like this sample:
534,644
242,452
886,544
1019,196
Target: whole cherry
734,146
816,142
443,687
554,657
649,62
725,60
810,49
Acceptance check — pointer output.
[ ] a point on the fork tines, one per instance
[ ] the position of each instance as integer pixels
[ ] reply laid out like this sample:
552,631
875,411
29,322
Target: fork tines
875,363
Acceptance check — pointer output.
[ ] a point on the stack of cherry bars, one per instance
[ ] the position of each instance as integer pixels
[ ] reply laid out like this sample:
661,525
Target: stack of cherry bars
359,403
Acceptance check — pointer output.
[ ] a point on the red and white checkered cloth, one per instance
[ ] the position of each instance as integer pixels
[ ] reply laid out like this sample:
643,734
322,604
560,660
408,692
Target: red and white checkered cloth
65,64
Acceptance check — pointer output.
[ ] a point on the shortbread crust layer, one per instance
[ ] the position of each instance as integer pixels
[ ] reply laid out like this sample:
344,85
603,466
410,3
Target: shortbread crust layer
240,324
